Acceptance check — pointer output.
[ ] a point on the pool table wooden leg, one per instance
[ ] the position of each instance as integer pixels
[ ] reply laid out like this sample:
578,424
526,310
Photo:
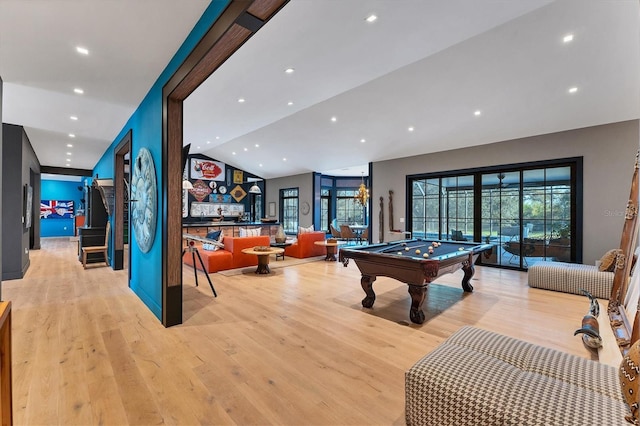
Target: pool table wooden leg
367,285
469,270
418,294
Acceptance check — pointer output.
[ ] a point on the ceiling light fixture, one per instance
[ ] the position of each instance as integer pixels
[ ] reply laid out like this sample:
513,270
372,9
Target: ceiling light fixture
208,142
73,117
82,50
260,165
371,18
71,135
289,70
217,137
69,145
363,193
241,100
255,189
233,153
289,103
573,90
363,140
246,149
68,153
78,90
334,119
477,113
411,128
567,38
257,145
284,159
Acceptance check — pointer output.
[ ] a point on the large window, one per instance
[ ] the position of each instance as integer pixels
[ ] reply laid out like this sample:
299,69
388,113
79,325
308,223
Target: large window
325,209
289,210
348,209
528,211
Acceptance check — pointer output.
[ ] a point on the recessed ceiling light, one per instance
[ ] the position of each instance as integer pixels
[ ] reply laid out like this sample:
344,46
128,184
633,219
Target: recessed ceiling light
289,70
78,90
71,135
241,100
82,50
289,103
69,145
198,147
567,38
371,18
284,159
246,149
573,90
257,145
68,153
260,165
233,153
73,117
208,142
363,140
477,113
334,119
411,128
217,137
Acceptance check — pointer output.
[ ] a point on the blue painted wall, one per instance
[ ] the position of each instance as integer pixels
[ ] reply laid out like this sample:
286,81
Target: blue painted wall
146,127
59,190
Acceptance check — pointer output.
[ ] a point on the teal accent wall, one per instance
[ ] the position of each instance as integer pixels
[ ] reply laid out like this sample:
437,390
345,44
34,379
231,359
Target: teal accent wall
59,190
146,127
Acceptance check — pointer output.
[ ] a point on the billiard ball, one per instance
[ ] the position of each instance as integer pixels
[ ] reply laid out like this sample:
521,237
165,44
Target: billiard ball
430,251
406,249
403,244
417,251
425,255
461,249
400,253
430,247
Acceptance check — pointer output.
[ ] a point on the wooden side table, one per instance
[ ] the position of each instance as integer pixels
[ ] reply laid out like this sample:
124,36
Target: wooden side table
331,247
263,257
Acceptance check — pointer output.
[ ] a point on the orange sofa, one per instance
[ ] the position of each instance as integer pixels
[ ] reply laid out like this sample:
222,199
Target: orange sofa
230,257
305,247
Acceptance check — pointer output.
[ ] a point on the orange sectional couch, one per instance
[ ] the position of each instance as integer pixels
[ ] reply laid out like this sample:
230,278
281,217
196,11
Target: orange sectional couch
305,247
230,257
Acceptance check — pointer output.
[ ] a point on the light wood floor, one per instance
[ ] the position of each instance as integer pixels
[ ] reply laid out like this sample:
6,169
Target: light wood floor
294,348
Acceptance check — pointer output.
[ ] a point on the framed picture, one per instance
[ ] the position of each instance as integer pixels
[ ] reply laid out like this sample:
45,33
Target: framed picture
272,209
56,209
28,205
237,176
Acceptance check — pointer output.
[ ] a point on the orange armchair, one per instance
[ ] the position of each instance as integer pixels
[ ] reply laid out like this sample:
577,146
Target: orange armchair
305,247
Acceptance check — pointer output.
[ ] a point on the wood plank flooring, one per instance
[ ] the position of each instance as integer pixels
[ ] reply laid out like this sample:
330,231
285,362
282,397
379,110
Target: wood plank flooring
295,347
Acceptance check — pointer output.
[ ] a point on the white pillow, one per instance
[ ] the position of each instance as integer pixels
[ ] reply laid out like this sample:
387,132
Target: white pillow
302,230
244,232
209,247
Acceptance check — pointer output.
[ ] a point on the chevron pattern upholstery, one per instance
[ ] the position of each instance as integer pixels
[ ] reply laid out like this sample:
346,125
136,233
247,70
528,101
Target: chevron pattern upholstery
571,278
477,377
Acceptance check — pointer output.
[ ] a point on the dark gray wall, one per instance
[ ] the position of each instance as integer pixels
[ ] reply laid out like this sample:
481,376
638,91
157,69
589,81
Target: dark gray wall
19,167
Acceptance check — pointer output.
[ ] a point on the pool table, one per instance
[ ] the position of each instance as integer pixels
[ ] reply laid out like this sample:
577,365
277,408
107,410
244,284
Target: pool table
405,261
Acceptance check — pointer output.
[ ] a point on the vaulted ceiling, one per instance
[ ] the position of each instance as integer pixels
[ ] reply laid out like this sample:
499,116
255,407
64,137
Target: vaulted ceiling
457,72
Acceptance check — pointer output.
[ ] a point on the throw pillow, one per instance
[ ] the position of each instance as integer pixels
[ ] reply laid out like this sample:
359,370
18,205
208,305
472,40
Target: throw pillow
629,378
303,230
214,235
608,260
244,232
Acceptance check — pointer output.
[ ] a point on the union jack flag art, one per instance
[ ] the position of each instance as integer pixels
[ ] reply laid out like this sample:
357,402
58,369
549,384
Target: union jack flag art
54,209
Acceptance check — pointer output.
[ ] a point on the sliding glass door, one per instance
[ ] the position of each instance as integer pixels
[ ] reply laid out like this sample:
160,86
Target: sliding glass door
528,211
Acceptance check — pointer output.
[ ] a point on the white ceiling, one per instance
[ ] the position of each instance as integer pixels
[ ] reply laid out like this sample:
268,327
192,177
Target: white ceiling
424,63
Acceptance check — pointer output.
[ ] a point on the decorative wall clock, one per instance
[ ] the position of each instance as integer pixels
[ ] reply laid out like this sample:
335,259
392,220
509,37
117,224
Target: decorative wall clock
305,208
144,200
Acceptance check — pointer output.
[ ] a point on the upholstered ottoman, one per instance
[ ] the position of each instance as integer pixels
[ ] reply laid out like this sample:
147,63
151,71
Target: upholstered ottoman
477,377
571,278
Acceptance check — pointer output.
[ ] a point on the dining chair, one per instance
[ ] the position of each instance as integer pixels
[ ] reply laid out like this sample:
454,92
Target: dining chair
334,232
347,233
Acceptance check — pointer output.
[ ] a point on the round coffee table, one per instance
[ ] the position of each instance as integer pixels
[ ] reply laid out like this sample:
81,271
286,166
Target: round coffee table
263,257
332,248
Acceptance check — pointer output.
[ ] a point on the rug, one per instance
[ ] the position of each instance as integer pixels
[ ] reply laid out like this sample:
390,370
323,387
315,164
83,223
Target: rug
273,264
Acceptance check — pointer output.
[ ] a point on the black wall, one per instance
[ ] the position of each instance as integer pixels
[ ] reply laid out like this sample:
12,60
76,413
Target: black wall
1,183
20,166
